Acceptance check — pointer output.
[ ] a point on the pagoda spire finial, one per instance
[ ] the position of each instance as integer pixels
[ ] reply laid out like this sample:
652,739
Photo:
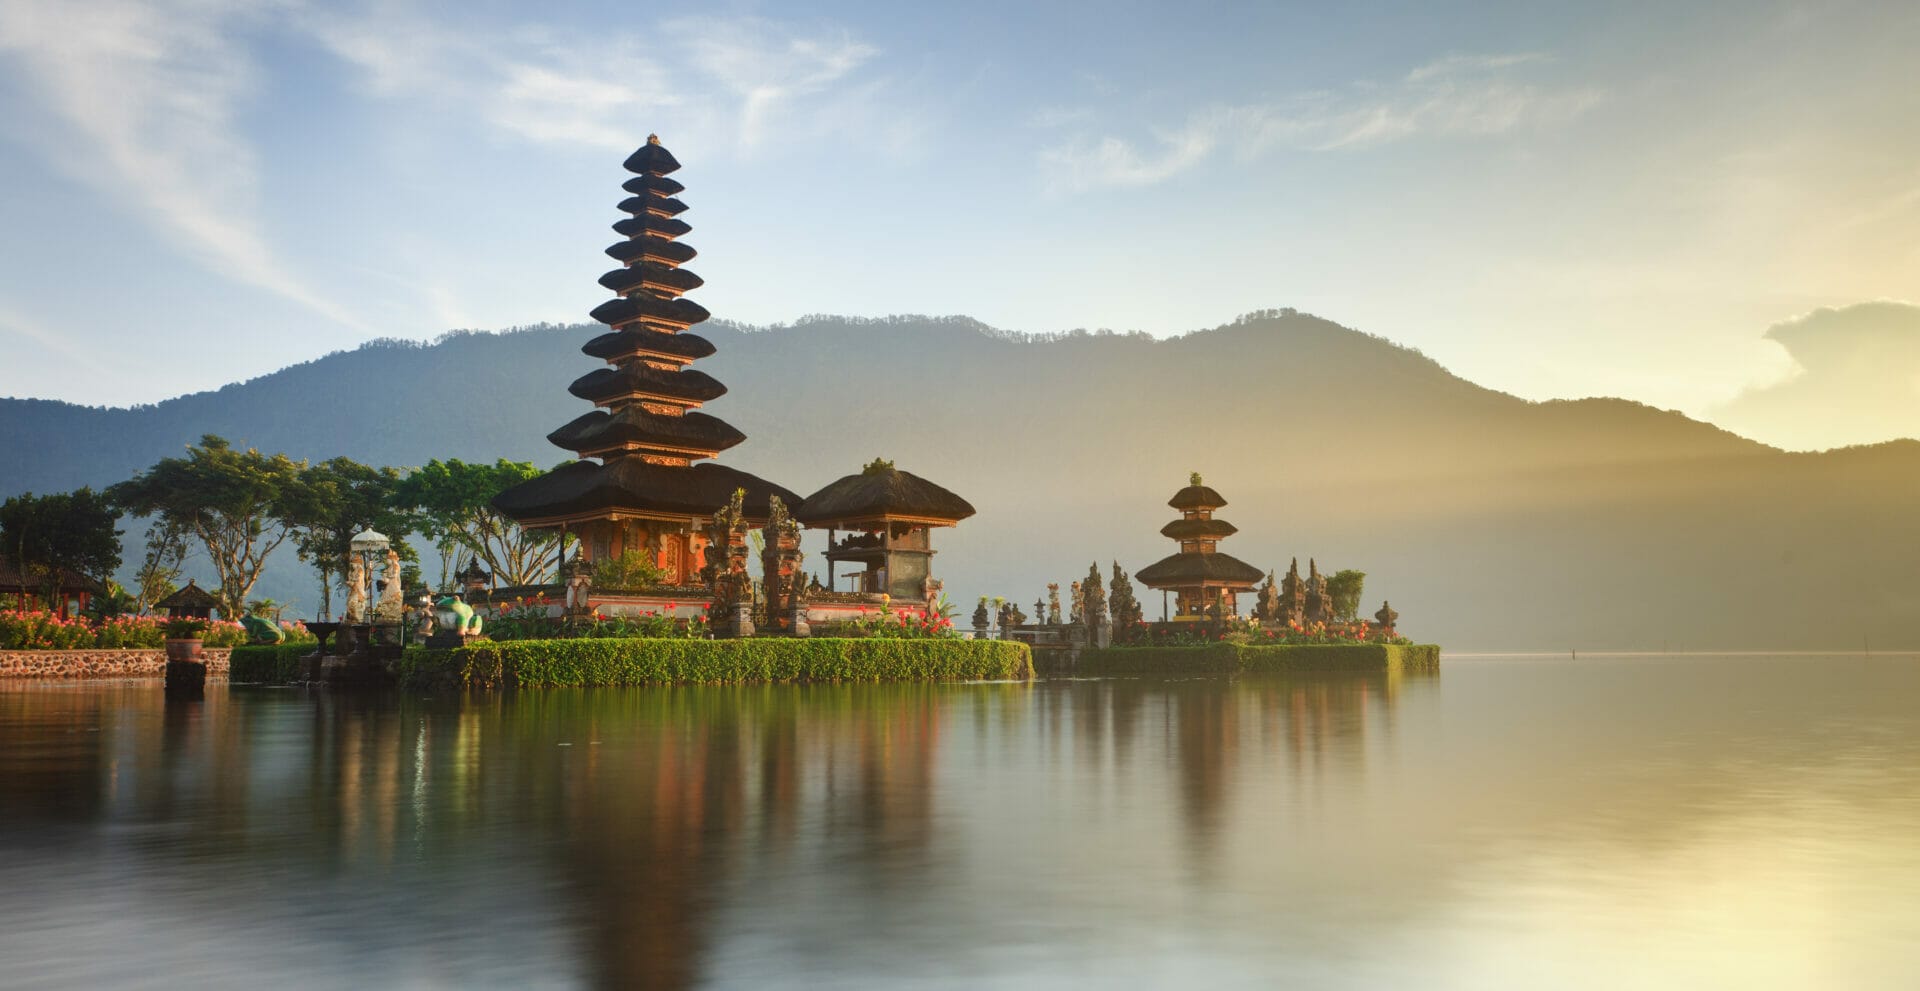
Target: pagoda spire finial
653,139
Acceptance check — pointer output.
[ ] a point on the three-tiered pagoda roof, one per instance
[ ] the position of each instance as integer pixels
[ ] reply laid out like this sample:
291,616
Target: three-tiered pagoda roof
1199,568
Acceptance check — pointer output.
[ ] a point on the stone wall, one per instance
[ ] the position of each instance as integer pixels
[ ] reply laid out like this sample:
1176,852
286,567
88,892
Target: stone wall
100,663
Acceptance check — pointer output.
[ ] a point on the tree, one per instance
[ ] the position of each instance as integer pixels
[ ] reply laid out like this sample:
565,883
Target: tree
1345,588
240,506
68,533
454,501
343,498
159,572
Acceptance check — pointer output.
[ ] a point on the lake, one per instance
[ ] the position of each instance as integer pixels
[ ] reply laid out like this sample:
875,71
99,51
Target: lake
1520,822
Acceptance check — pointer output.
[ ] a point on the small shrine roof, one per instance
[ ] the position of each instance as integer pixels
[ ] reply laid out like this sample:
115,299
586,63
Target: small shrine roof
11,577
189,596
879,493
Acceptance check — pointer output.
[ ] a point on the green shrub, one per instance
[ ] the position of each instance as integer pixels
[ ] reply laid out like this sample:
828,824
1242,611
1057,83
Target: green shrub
269,664
1256,657
558,663
631,570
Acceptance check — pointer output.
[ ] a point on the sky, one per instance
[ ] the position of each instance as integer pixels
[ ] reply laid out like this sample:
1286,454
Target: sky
1650,201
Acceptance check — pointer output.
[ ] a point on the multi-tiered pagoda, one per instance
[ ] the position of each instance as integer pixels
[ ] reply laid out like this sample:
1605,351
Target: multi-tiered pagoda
1200,576
637,485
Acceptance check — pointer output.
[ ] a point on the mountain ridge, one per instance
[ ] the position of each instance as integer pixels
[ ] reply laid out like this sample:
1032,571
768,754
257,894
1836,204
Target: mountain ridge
1329,442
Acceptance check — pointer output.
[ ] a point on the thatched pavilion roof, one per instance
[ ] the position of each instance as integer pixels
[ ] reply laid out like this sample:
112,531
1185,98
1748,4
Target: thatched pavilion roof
882,491
189,597
1198,568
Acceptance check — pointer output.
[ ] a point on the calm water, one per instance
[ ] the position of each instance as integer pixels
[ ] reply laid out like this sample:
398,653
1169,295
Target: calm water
1643,822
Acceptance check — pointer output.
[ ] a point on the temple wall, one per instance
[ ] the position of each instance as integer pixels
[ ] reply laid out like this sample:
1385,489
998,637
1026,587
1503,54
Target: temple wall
149,663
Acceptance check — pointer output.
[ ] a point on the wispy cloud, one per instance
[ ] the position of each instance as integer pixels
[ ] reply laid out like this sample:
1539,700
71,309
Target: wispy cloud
14,324
550,87
149,95
1456,96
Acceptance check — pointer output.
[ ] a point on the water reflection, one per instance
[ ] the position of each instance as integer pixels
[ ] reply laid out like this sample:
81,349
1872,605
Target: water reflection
1057,832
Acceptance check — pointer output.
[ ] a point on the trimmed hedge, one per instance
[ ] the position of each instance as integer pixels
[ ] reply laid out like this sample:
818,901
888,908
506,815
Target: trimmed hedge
1422,657
636,661
272,664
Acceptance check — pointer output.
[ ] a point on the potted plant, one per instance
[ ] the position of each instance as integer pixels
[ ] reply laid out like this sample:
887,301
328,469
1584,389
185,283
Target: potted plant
183,639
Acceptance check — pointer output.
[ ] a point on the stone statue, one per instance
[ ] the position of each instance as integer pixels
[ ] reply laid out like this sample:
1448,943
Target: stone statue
932,588
261,630
1266,607
356,590
1293,597
1039,611
456,616
1319,600
393,603
981,617
579,582
1053,604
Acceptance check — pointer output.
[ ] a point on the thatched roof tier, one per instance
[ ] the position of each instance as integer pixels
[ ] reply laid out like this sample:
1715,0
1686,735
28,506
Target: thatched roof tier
642,184
190,597
1197,496
639,381
1199,530
652,160
648,225
1199,569
664,279
633,341
691,435
13,578
646,306
647,203
651,249
882,494
632,487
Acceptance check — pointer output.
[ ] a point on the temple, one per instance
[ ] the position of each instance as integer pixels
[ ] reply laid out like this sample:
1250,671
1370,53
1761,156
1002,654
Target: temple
889,514
636,485
1200,576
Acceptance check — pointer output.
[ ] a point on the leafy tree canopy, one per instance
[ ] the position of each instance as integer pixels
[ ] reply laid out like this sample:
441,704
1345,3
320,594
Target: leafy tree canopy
454,502
347,497
1345,588
239,505
67,532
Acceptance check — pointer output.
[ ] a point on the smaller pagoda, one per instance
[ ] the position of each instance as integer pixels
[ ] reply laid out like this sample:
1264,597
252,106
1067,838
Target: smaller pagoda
889,514
1200,576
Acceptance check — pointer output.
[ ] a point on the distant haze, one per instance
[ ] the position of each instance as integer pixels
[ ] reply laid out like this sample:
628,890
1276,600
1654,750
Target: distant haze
1489,521
1554,200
